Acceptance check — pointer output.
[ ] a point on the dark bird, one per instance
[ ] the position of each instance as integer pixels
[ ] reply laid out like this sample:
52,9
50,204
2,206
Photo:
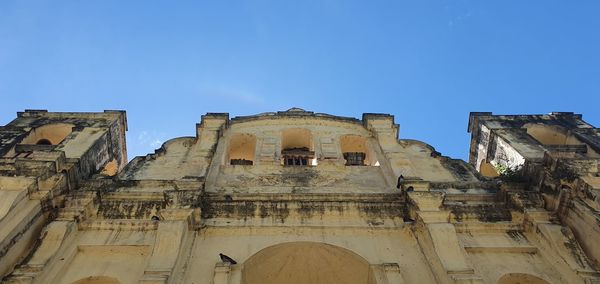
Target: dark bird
400,181
225,258
155,218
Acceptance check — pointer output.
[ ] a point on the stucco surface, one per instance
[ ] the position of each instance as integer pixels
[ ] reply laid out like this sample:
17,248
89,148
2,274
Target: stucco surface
275,192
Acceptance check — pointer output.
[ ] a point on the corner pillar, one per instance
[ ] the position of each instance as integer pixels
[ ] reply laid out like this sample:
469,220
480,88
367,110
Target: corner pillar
445,251
222,273
54,236
388,273
170,237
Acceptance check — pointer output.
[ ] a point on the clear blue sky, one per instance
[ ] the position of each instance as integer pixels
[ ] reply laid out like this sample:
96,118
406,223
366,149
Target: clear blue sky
429,63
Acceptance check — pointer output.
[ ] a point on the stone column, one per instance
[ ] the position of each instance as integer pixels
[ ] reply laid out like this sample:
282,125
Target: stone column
387,273
169,239
439,240
222,273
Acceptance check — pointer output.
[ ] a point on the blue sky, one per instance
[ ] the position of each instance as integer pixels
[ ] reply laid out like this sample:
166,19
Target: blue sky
429,63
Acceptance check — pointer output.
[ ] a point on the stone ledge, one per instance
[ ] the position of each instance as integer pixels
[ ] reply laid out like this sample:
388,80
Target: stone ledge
120,224
499,249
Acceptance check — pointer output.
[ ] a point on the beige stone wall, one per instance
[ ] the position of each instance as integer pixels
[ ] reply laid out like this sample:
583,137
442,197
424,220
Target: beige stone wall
34,179
377,247
75,213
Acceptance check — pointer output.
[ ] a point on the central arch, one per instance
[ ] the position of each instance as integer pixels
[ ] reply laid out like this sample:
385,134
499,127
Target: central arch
306,262
97,280
521,278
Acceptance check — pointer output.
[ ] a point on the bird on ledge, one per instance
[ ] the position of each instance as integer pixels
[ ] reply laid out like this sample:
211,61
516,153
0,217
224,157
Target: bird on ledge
227,259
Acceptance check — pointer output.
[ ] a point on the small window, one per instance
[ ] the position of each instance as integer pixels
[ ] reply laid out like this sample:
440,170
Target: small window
241,149
43,142
296,161
355,158
356,152
297,156
49,134
296,145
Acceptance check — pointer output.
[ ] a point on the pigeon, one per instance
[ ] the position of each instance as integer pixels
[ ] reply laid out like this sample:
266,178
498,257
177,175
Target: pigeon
400,181
228,259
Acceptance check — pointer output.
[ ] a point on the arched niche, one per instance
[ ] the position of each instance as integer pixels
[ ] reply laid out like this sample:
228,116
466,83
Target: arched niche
551,134
97,280
241,149
49,134
521,278
297,147
306,262
356,151
486,169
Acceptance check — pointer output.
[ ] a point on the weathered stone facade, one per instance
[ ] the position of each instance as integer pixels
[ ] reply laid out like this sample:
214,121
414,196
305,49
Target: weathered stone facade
299,197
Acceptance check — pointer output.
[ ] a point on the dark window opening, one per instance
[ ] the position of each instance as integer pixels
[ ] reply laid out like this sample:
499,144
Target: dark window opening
43,142
296,161
297,156
355,158
241,162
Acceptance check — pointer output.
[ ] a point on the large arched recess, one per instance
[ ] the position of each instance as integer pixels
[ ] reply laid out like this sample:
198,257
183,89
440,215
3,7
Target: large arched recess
521,278
97,280
306,262
551,134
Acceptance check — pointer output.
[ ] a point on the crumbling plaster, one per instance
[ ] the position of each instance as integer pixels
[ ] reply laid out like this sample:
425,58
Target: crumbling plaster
76,212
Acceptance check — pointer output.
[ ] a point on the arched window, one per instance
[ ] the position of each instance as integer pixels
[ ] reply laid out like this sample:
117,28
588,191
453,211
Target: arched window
241,149
356,152
297,147
43,142
49,134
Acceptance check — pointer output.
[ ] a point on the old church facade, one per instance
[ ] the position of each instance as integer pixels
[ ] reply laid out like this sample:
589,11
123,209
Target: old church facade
299,197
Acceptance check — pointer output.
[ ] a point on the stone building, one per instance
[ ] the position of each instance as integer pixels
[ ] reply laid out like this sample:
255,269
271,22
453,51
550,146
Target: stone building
298,197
